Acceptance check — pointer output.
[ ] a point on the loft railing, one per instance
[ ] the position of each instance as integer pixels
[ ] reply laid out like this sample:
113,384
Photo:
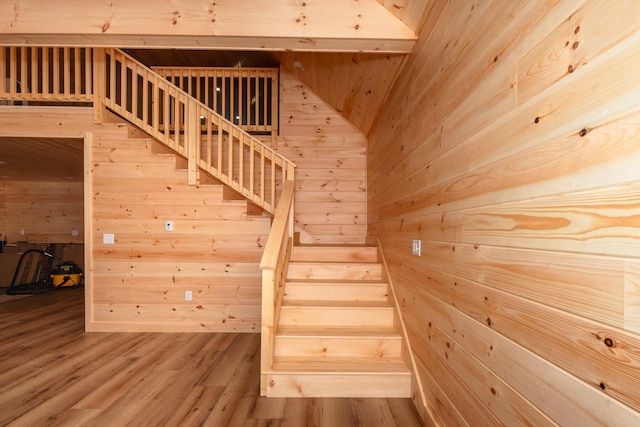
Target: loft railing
248,97
275,260
46,74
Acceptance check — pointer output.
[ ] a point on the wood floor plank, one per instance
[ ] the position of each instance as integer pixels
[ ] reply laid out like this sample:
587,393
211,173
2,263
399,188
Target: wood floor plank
53,373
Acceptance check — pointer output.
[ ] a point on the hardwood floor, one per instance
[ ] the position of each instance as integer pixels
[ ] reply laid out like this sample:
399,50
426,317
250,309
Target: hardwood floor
52,373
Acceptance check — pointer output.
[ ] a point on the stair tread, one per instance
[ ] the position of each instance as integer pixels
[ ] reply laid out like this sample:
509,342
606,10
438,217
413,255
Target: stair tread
363,282
336,304
337,331
329,365
345,262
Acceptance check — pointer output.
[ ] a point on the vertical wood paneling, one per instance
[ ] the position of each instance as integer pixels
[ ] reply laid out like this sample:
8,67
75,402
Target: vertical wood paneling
509,147
330,155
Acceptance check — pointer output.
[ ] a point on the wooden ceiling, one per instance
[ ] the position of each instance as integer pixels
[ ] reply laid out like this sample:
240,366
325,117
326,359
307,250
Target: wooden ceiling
41,159
285,25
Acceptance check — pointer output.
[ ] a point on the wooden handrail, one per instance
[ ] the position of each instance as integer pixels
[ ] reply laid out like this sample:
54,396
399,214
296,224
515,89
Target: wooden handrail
275,259
248,97
208,141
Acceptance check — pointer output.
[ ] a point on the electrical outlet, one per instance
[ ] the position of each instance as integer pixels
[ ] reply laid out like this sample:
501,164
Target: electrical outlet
108,239
22,232
168,226
74,232
188,295
417,246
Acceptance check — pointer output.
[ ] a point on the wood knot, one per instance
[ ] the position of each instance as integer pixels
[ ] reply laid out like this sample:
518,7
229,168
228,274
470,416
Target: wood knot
489,321
609,342
602,386
583,132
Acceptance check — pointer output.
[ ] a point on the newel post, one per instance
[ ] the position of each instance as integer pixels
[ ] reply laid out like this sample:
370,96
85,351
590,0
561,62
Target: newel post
99,84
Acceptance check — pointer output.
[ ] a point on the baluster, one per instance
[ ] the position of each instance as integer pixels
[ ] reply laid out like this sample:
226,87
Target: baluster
145,98
262,173
220,143
13,70
88,73
34,83
252,166
21,87
209,140
77,68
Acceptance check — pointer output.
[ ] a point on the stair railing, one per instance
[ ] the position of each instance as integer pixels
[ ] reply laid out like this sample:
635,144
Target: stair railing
43,75
111,78
248,97
206,139
274,264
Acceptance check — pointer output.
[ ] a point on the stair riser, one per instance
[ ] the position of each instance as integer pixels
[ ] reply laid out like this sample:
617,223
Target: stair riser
339,385
323,316
334,271
338,347
336,292
337,254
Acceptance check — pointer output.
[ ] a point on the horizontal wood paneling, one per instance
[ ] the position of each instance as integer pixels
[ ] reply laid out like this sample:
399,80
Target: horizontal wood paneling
46,211
353,84
509,148
330,157
139,283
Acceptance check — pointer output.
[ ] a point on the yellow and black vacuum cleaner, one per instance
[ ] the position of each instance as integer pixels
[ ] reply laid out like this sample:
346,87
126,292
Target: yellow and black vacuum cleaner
66,274
34,274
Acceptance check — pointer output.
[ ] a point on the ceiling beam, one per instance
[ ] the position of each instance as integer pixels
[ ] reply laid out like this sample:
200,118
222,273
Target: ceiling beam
275,25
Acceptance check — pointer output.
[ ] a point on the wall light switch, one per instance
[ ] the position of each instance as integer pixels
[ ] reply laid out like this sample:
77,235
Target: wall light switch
188,295
168,226
417,246
22,232
108,239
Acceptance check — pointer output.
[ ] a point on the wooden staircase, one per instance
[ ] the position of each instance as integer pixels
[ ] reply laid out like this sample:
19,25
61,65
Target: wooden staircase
336,335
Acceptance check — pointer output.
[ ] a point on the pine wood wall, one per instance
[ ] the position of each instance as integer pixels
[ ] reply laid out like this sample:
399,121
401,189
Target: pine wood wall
330,155
133,187
46,211
214,250
509,147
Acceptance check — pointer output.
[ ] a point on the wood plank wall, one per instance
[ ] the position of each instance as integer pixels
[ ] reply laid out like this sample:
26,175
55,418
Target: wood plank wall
330,155
509,147
214,251
353,84
46,211
139,283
